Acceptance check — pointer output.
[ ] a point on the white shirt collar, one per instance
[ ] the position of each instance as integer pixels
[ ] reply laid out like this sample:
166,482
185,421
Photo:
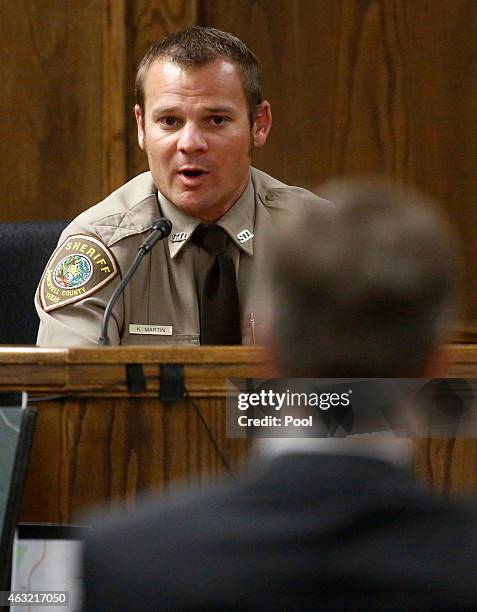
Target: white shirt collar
385,447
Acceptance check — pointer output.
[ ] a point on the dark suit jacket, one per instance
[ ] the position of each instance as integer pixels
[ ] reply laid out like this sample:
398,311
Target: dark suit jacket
306,532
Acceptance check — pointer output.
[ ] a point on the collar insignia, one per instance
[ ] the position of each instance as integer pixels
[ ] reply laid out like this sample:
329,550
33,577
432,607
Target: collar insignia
179,237
244,235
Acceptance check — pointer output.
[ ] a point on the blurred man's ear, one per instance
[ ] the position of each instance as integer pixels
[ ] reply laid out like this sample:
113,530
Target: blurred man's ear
439,361
262,124
271,358
140,125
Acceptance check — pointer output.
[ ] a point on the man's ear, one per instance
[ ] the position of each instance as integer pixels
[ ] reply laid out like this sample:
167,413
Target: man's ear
140,125
262,124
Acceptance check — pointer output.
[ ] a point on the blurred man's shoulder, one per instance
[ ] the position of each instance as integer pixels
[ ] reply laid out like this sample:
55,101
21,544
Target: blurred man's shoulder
177,517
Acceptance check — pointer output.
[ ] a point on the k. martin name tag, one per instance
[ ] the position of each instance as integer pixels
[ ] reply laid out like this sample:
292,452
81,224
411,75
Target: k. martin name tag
152,330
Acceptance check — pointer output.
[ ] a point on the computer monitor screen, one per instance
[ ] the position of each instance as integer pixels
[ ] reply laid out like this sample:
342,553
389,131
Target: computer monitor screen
16,433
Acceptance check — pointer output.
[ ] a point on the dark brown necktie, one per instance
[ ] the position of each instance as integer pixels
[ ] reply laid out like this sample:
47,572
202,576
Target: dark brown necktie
218,296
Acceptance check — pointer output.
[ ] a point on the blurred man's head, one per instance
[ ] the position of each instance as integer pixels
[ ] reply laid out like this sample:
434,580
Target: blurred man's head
365,288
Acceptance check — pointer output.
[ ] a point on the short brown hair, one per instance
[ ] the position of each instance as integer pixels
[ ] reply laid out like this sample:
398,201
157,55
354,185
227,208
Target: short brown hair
196,46
365,287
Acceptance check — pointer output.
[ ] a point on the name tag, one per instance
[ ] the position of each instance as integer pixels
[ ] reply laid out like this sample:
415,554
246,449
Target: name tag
152,330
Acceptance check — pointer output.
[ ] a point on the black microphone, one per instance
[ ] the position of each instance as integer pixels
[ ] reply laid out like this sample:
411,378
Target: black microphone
160,229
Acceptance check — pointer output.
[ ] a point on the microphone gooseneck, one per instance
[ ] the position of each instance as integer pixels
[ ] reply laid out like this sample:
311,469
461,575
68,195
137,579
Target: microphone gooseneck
160,230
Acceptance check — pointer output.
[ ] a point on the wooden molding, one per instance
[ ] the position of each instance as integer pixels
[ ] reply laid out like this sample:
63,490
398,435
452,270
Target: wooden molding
114,90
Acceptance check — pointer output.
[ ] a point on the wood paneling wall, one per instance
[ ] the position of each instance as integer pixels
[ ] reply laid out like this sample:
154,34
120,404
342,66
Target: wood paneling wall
381,86
51,136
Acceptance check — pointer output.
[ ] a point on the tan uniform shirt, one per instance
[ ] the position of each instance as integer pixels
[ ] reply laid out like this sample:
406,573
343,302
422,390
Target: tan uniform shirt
160,304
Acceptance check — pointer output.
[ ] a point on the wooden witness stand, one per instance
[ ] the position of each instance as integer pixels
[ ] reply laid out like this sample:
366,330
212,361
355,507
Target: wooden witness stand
97,442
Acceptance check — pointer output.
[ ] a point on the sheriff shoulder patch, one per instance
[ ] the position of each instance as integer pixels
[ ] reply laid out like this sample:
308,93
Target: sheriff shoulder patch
79,267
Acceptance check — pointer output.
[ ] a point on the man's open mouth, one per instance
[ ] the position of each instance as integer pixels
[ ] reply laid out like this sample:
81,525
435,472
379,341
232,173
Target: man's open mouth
191,173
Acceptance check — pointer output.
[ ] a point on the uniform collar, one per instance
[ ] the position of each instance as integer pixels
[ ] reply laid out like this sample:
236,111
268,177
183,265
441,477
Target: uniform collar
238,222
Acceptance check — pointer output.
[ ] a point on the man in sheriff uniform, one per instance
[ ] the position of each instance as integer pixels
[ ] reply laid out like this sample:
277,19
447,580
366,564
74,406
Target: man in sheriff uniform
199,115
